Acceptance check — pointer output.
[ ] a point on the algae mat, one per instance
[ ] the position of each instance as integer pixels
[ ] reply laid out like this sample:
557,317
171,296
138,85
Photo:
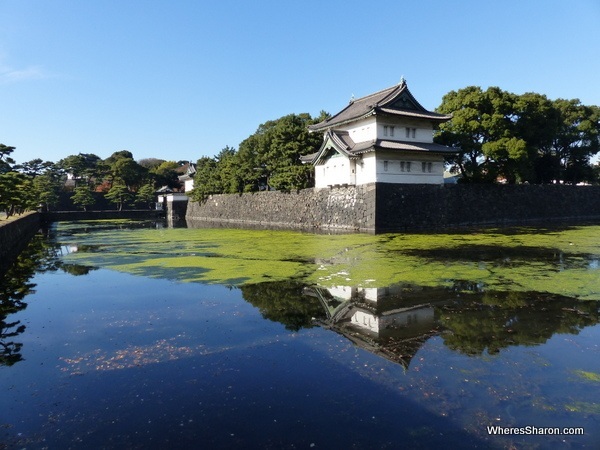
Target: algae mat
562,261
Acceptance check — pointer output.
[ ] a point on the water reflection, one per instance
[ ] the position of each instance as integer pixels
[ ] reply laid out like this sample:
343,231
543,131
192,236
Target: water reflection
509,256
395,321
14,287
131,364
39,256
491,321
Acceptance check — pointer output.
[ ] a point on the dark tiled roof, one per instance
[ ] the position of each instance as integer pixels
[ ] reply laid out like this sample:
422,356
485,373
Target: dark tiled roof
342,139
345,145
409,147
418,114
306,159
418,147
396,100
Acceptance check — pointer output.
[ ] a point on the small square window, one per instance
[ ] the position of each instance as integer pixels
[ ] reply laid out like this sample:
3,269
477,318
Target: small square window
385,166
401,166
408,166
391,131
414,133
407,132
424,166
385,130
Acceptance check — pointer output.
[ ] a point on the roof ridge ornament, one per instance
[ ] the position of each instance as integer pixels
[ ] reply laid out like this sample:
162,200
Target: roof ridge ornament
352,99
402,80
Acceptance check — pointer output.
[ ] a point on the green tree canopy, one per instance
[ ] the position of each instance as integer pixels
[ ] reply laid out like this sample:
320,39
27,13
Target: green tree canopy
275,149
47,187
119,195
82,166
128,172
5,159
519,138
165,174
207,180
146,194
16,193
150,163
82,197
267,159
122,154
34,168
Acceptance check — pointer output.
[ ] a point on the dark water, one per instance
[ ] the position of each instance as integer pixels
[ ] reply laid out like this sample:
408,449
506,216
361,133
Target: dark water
96,358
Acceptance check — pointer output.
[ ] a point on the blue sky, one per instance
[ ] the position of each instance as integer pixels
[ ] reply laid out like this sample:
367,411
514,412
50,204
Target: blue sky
183,79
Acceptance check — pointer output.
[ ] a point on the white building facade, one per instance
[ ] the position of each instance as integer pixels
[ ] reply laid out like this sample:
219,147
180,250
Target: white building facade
385,137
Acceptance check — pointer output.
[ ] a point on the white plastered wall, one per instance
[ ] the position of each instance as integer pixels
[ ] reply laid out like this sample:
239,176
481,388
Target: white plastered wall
363,131
397,168
366,169
423,130
336,170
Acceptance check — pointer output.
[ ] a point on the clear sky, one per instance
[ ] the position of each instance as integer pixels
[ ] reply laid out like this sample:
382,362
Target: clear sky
182,79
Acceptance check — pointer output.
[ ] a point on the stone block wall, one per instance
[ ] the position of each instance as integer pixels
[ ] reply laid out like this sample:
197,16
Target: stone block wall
388,207
14,236
408,207
346,208
134,214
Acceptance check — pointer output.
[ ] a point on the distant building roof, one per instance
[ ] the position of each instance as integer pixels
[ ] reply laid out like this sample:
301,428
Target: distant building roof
396,100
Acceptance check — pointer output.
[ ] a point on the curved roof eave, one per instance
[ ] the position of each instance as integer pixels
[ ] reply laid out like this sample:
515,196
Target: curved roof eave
382,101
418,115
327,127
332,141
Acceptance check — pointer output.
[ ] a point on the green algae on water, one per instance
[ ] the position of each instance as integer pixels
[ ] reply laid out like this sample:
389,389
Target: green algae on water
588,376
583,407
558,262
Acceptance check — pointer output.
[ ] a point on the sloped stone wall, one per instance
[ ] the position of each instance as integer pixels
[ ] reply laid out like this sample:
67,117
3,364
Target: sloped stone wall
14,236
135,214
410,207
388,207
346,208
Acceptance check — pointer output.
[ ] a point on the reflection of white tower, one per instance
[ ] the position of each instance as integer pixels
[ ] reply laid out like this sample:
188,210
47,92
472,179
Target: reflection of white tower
365,320
401,319
360,309
343,292
393,321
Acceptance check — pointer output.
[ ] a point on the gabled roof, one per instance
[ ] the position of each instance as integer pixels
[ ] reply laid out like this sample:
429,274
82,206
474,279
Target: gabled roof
188,168
338,140
341,142
396,100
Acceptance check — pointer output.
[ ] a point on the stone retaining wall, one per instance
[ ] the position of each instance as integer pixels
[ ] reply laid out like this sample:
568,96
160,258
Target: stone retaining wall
388,207
14,236
58,216
349,208
409,207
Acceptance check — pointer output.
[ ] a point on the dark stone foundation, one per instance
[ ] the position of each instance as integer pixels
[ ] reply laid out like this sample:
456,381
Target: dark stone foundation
381,207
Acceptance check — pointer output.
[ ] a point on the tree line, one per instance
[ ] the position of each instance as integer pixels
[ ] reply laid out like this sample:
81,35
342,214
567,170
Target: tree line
268,159
520,138
499,136
121,180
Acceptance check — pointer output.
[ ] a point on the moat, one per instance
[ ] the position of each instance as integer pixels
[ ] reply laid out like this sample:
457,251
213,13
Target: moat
129,334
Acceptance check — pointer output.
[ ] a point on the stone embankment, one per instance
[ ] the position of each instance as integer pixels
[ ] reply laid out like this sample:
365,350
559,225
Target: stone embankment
14,236
420,207
141,214
408,207
350,208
